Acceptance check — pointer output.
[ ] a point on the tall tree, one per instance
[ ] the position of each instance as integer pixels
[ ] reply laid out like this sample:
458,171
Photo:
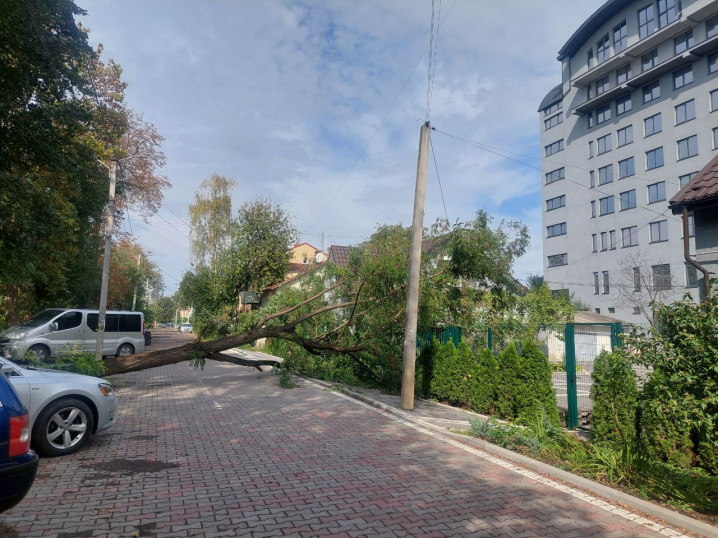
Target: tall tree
211,220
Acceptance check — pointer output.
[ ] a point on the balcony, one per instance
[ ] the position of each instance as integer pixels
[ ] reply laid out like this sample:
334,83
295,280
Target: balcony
602,99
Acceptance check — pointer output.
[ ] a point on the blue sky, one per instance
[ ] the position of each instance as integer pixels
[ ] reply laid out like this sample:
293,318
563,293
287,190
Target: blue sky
283,96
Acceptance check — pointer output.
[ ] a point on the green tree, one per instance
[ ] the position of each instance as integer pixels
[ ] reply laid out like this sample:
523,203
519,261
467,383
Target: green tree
535,384
541,309
487,376
455,373
614,393
211,220
509,386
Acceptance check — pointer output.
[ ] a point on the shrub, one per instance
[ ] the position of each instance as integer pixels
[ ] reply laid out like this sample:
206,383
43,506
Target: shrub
536,391
72,359
425,370
508,386
614,393
483,397
455,372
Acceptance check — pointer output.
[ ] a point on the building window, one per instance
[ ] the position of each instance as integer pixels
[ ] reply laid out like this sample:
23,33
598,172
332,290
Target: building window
659,231
626,168
666,12
636,309
557,260
594,242
590,62
714,100
589,92
654,158
652,125
603,114
556,175
607,205
553,121
683,42
623,104
605,174
691,225
562,293
589,120
688,147
646,21
625,136
691,276
636,279
596,284
649,60
592,178
629,236
553,108
598,310
657,192
628,200
612,239
590,149
604,241
603,50
715,138
556,229
623,74
651,91
712,27
593,209
620,37
611,310
604,144
661,276
606,287
555,203
712,62
686,178
682,77
602,85
686,111
553,148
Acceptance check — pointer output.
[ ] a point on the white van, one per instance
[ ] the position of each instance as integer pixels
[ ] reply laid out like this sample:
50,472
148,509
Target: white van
49,331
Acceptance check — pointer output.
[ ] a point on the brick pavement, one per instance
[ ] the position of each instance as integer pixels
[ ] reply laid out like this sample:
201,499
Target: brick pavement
226,452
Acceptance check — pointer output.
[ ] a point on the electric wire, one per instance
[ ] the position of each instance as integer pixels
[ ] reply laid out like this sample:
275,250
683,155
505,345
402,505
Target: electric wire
438,178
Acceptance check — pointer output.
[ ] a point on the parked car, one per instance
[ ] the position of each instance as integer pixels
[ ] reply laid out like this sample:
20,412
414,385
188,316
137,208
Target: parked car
148,337
18,464
186,328
65,408
51,330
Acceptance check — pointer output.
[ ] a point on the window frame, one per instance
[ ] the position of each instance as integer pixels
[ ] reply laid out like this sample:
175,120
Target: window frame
607,144
629,173
646,134
649,24
564,260
630,198
632,236
628,129
652,86
664,226
682,72
559,197
689,146
562,230
655,151
685,107
612,205
622,43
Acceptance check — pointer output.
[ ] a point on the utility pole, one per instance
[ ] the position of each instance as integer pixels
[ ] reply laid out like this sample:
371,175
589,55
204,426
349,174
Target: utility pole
134,295
109,227
412,295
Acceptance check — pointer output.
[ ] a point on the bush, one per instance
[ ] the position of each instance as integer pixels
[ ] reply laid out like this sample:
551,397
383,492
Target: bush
536,391
71,359
483,397
508,386
425,370
614,393
455,373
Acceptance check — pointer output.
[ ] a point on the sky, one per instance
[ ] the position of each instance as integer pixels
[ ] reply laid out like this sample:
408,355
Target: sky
284,96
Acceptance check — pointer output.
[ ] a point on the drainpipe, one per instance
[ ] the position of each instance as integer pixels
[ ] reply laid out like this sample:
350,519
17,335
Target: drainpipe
687,256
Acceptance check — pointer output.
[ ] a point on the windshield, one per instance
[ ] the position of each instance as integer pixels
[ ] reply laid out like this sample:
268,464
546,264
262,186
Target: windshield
42,317
186,325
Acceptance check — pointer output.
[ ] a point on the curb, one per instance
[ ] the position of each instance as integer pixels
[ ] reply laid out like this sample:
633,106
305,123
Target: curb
664,514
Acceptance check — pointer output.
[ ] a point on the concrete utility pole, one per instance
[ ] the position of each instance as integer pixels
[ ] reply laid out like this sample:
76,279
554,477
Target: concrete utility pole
412,296
109,227
134,295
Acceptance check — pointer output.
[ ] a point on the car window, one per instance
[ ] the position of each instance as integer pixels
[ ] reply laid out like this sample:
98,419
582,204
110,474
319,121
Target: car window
130,323
41,317
69,320
111,322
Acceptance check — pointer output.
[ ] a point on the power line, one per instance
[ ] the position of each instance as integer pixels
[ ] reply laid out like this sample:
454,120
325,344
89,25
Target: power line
433,51
441,190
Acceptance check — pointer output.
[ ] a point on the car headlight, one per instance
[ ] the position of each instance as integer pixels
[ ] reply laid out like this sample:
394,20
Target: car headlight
106,389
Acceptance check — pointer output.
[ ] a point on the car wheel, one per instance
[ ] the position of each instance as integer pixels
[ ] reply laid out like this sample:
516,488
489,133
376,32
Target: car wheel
125,350
63,427
42,352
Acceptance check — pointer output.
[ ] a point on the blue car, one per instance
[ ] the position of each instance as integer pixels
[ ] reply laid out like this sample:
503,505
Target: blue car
18,464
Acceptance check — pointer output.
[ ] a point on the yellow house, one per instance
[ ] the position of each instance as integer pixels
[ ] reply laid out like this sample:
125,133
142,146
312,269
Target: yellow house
305,253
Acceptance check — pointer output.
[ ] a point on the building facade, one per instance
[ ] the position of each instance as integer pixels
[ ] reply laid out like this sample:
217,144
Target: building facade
631,123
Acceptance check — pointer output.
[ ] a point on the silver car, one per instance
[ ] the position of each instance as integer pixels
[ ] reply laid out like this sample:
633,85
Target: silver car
186,328
65,408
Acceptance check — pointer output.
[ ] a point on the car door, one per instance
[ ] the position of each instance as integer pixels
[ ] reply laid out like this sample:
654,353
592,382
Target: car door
68,333
89,329
111,334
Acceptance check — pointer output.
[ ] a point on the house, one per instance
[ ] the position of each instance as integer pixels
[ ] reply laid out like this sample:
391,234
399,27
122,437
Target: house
304,254
699,198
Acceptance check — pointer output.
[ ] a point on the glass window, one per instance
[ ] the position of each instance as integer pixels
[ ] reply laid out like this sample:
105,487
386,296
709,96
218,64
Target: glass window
590,149
646,21
555,203
686,111
688,147
593,209
691,276
602,85
556,175
604,241
666,12
603,114
661,276
654,158
69,320
686,178
606,287
612,239
628,200
607,205
603,50
626,168
691,225
556,229
623,74
712,26
636,279
589,92
557,259
623,104
553,148
648,60
714,100
625,135
594,242
657,192
605,174
659,231
553,121
712,62
589,59
715,138
130,323
620,37
683,42
553,108
604,144
651,91
592,178
652,125
596,284
629,236
682,77
589,120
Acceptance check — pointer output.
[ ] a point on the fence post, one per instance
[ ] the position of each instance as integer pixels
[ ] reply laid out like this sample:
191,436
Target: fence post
571,394
616,330
488,338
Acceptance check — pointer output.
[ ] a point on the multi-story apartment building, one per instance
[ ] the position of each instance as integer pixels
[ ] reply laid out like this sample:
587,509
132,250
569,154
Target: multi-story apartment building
634,118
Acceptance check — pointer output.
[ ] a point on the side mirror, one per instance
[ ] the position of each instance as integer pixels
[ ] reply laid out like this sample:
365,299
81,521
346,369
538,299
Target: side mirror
54,326
7,369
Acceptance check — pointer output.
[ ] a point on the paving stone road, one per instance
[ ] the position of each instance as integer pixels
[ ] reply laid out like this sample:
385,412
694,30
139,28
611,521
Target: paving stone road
227,452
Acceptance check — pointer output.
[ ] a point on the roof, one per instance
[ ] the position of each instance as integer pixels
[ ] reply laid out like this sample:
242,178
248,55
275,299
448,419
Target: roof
302,244
591,25
309,268
339,255
556,94
702,188
301,267
585,316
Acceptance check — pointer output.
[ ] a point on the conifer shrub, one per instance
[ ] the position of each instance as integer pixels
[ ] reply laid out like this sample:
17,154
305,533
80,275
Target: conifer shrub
425,369
614,394
486,378
444,364
508,386
535,388
455,372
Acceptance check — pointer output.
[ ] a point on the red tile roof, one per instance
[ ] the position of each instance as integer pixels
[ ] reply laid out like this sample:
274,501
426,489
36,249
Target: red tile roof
339,255
703,187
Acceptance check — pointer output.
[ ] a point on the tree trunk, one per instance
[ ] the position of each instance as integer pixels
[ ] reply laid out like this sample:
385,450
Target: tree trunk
11,292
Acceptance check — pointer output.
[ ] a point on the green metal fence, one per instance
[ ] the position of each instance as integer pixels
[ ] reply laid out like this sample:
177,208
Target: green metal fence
442,334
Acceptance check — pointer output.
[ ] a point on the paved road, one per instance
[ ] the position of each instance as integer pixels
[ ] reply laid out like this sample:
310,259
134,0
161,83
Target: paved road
226,452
